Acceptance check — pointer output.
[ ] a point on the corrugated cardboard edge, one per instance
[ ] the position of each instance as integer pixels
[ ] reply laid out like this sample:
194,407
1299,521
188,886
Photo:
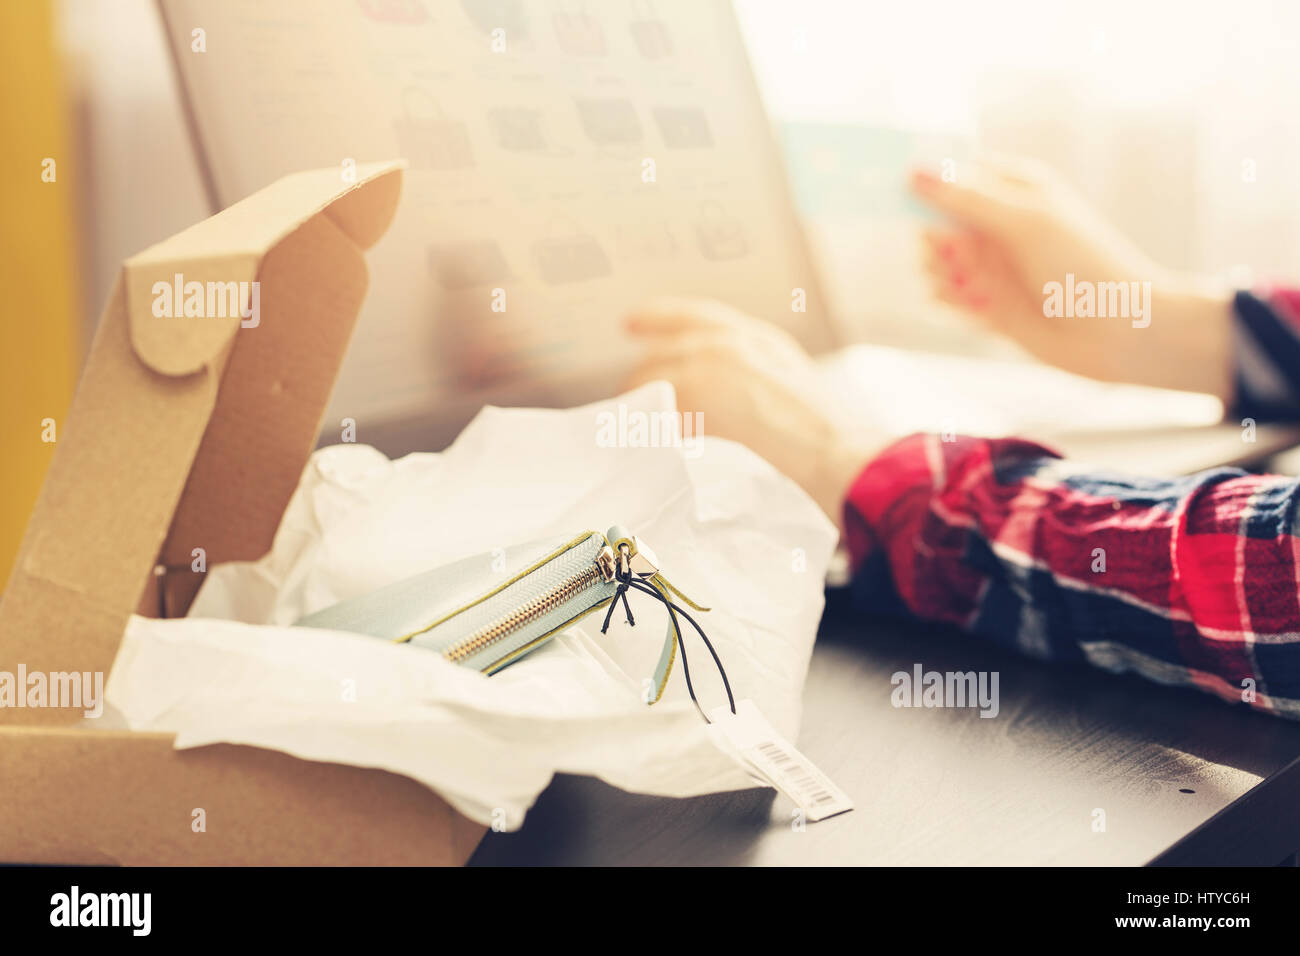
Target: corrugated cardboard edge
161,413
229,247
119,798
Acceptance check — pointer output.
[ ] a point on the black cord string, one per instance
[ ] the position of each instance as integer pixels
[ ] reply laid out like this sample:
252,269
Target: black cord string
673,611
626,582
686,664
620,593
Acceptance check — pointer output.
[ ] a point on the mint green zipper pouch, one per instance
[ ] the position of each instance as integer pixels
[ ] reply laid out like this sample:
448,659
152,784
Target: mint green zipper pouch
476,616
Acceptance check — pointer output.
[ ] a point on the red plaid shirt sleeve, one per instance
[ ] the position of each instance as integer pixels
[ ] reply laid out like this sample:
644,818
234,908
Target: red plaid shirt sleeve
1190,581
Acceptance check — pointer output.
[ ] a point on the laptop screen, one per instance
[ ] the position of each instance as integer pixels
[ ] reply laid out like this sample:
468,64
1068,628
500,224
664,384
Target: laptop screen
566,160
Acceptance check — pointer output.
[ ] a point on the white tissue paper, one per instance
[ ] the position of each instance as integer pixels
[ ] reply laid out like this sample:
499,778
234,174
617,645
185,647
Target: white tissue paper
729,530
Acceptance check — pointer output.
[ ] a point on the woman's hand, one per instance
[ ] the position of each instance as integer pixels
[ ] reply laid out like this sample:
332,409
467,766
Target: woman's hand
1015,227
754,384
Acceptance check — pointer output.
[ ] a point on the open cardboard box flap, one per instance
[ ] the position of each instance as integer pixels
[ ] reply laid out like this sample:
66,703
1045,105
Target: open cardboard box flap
186,438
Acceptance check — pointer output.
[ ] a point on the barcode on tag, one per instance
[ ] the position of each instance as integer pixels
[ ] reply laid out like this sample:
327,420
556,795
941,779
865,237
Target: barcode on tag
774,760
799,780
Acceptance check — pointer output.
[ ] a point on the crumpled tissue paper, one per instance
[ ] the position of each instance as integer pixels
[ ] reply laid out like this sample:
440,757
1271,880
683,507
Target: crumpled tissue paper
729,530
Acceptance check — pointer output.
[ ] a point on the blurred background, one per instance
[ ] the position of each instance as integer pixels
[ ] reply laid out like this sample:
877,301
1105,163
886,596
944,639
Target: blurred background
1180,120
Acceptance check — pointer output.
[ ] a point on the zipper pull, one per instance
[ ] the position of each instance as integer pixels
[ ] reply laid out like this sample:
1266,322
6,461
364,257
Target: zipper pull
644,563
635,557
605,563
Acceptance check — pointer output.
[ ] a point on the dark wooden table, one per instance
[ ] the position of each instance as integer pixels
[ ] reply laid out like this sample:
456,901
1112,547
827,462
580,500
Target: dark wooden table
1180,777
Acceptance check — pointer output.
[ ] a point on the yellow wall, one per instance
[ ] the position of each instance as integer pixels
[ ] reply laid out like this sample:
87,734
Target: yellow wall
38,297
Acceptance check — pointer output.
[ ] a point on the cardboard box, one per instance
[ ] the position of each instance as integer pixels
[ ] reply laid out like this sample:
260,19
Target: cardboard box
190,432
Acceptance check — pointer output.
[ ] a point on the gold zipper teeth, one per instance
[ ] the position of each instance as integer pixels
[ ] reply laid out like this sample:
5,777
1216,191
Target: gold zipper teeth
530,612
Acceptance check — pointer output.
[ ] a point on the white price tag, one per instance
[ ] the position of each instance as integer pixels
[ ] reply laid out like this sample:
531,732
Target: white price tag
775,761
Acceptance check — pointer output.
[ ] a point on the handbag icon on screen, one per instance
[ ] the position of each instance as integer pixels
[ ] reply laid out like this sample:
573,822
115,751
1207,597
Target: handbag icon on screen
572,256
394,11
518,130
578,32
720,235
427,137
609,122
683,128
489,15
467,263
650,33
